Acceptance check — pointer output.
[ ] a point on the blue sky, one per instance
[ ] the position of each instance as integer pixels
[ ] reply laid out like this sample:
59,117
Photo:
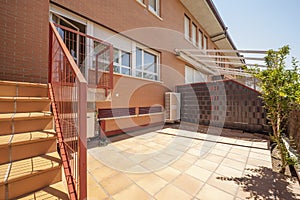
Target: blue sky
262,24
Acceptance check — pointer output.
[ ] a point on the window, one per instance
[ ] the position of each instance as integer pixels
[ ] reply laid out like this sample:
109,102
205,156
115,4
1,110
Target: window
186,27
146,65
194,76
122,62
205,43
141,1
154,6
200,42
194,32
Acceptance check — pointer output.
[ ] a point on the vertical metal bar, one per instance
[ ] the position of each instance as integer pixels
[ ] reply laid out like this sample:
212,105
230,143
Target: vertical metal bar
50,55
97,82
82,110
111,67
77,49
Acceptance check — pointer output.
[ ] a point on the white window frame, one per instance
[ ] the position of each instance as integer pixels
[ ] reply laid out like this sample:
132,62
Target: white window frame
194,76
142,70
155,10
187,22
194,33
119,63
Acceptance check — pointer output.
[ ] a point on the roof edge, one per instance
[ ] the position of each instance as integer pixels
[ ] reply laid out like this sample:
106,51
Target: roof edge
220,20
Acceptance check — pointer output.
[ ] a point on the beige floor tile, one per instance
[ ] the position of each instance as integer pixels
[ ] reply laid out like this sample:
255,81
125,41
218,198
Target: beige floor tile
181,165
263,145
214,158
209,192
151,183
188,184
93,163
223,147
116,183
164,158
136,176
242,194
259,162
233,164
168,173
219,152
153,164
260,156
223,183
240,150
172,192
237,157
261,151
189,158
194,152
228,171
199,173
102,173
95,192
132,192
206,164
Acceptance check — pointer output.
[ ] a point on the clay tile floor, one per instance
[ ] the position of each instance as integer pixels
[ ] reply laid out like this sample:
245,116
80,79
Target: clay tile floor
177,164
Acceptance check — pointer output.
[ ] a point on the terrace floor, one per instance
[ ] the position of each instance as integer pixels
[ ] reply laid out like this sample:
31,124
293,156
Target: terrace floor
179,164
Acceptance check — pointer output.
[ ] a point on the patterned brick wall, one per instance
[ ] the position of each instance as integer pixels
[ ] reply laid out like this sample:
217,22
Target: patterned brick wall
223,103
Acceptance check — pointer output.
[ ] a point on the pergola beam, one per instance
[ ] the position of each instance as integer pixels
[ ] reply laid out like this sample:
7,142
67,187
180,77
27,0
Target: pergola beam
228,57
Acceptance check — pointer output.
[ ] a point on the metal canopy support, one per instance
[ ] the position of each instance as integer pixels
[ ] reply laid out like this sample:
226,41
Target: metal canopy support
206,57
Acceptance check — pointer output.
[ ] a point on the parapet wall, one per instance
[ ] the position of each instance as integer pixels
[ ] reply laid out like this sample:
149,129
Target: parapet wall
225,103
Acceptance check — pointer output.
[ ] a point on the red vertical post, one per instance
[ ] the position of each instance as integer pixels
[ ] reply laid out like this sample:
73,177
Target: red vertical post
97,82
50,55
111,67
82,151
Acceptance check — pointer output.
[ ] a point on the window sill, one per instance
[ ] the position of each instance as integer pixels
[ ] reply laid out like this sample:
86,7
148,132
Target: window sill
155,14
141,4
139,78
194,45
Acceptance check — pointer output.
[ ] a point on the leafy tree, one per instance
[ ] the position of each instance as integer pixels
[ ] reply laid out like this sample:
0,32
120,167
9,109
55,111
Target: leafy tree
280,91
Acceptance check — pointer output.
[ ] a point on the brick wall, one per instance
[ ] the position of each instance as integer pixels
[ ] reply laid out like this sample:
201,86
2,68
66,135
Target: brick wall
24,40
223,103
294,127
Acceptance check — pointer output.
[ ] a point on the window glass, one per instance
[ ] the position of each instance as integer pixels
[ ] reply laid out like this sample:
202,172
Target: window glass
149,62
186,27
205,42
193,76
189,74
194,31
125,59
116,69
146,65
125,71
139,59
200,39
116,55
154,6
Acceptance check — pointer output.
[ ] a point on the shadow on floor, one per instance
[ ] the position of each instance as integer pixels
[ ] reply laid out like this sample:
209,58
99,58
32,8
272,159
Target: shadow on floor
263,183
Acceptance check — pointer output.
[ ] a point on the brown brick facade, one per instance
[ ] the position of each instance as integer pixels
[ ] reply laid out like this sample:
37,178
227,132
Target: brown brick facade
24,40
